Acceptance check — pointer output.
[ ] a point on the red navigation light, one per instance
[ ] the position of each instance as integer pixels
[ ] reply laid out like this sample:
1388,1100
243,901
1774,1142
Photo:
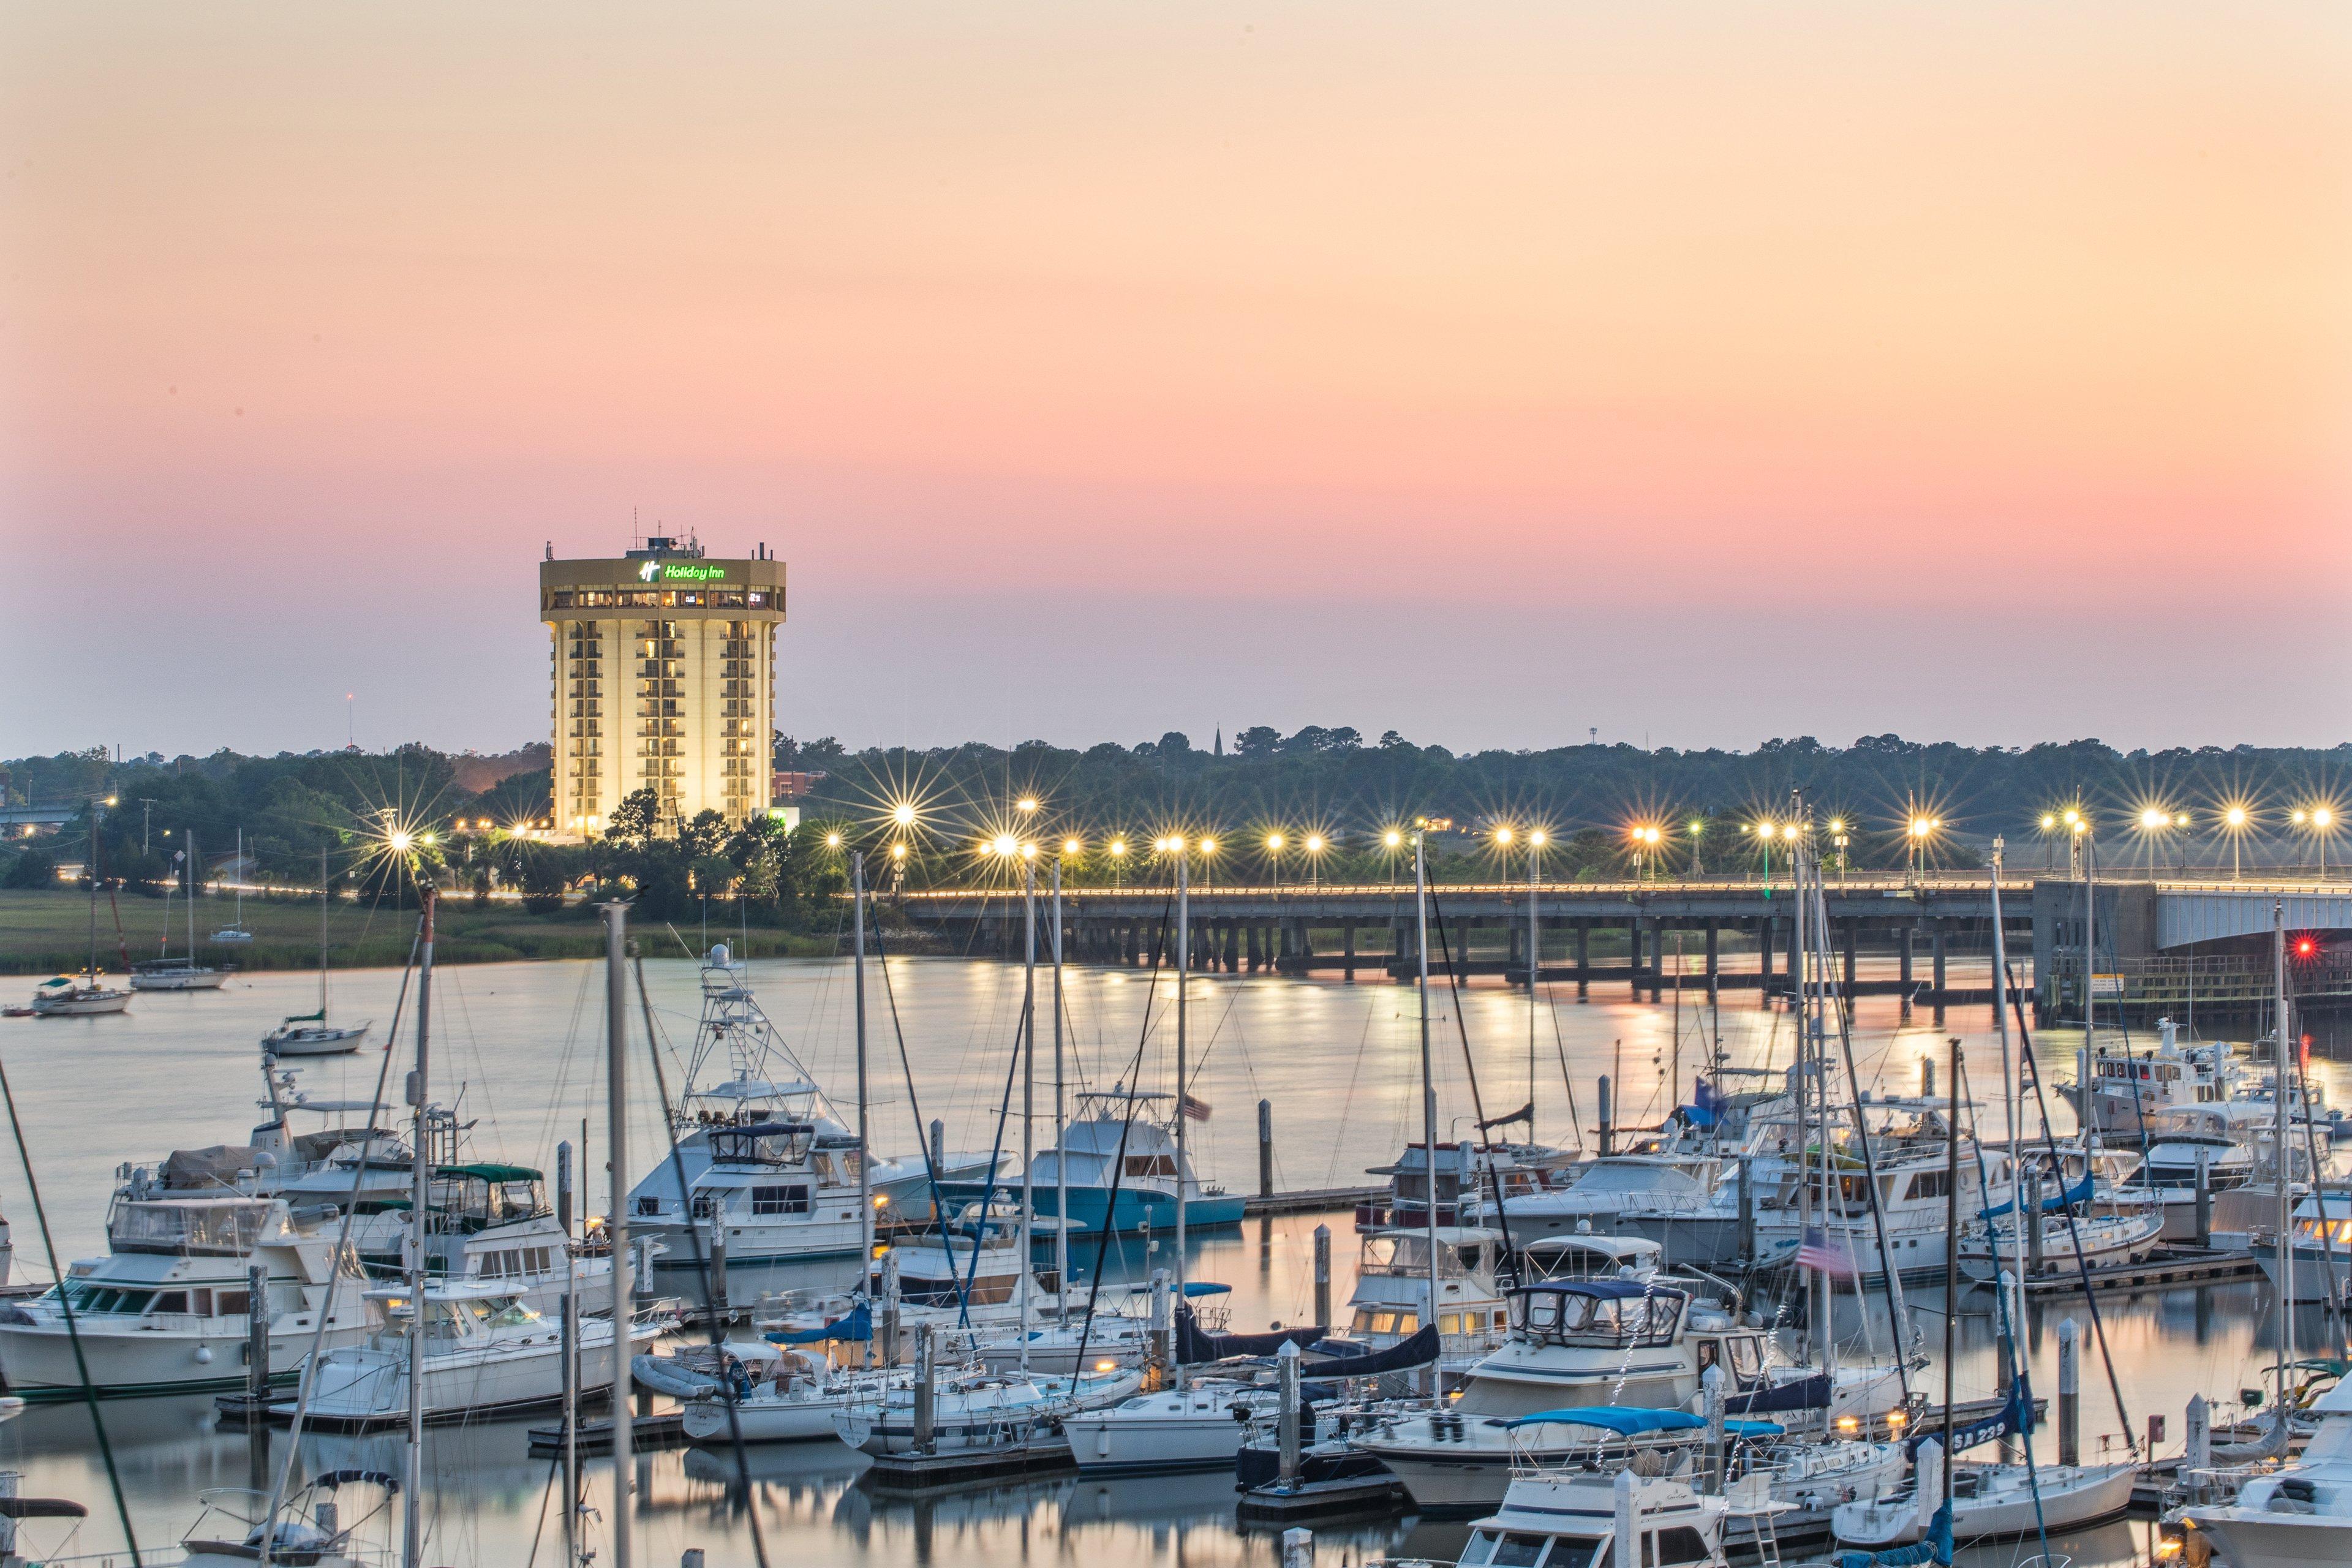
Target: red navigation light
2305,947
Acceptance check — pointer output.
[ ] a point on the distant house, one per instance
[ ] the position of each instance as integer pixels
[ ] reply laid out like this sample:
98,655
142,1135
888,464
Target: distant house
789,786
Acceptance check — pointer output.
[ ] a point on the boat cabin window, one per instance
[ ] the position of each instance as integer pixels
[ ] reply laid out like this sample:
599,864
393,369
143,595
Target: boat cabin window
1676,1544
1493,1548
1930,1184
187,1229
514,1315
1746,1359
170,1301
513,1262
1151,1166
231,1303
780,1200
1519,1551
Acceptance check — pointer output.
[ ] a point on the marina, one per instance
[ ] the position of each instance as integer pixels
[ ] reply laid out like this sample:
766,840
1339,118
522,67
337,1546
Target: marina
1269,1260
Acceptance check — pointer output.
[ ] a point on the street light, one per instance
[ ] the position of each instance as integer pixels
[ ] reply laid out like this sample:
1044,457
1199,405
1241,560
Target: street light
1273,842
903,814
1118,863
2235,819
1314,846
1027,804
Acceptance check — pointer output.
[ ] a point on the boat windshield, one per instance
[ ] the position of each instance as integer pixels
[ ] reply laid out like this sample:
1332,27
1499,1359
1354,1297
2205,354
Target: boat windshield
1574,1317
1520,1549
186,1228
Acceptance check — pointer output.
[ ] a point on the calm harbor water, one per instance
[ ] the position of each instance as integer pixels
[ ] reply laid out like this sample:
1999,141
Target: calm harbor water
520,1047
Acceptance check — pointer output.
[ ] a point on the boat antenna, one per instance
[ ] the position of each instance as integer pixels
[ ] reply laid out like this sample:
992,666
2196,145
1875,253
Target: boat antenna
419,1088
1428,1095
701,1262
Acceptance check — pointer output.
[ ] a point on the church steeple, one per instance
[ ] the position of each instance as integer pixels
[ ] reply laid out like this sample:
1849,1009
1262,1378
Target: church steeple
1220,740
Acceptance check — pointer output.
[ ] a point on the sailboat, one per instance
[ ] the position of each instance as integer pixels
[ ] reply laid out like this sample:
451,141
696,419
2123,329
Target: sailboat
309,1034
65,996
237,935
164,973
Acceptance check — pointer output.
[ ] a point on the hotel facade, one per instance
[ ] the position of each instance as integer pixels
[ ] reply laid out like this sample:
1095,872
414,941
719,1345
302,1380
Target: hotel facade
662,666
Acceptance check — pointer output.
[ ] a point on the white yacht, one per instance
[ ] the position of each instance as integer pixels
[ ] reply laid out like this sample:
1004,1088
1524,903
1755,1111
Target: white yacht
485,1349
1118,1335
1588,1343
2298,1516
2321,1248
1468,1177
1393,1291
1633,1516
1122,1140
2120,1093
165,1311
756,1151
1199,1427
2101,1220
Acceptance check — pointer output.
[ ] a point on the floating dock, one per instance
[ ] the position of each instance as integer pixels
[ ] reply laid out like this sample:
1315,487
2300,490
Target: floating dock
663,1430
2166,1269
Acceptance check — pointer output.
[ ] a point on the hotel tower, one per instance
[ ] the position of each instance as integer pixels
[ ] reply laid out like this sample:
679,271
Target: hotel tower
663,666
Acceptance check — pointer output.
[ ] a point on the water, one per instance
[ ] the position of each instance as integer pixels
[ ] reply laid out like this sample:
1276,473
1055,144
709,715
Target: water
1340,1063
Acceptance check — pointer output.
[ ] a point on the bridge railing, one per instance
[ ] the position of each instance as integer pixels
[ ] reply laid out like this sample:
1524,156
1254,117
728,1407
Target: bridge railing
1895,884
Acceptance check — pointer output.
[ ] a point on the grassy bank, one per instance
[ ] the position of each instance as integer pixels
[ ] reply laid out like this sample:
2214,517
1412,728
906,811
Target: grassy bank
47,933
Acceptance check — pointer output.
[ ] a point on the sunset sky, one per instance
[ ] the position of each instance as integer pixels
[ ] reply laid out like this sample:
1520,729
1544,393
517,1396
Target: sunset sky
1697,372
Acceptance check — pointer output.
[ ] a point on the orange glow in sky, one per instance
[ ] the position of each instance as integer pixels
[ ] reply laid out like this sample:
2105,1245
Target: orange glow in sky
1231,314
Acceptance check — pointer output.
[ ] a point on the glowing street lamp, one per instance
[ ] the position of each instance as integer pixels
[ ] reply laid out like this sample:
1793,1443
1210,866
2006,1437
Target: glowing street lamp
903,815
1027,805
1314,846
1274,843
1118,863
2235,818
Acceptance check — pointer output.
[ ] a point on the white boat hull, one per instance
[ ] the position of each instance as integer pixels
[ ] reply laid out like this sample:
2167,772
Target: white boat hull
2246,1538
362,1387
2068,1498
1193,1430
315,1042
87,1005
38,1359
2102,1245
200,980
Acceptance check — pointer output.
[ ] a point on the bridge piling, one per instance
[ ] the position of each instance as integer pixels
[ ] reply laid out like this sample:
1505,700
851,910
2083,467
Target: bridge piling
1584,961
1903,958
1713,959
1939,956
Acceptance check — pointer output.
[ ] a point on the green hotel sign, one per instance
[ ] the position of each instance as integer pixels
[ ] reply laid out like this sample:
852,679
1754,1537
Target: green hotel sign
679,571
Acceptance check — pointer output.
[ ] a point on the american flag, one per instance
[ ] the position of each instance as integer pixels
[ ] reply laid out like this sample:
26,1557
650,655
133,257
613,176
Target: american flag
1818,1251
1194,1109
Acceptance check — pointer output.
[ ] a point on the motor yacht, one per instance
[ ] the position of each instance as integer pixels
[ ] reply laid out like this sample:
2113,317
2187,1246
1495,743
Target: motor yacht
1466,1177
1588,1343
485,1349
2297,1516
1393,1291
2122,1093
1123,1140
165,1311
1121,1334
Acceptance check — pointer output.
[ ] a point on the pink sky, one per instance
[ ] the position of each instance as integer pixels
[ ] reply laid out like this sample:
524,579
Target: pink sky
1699,373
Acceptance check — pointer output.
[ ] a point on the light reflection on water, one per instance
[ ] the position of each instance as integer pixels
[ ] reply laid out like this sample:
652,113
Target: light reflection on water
1339,1063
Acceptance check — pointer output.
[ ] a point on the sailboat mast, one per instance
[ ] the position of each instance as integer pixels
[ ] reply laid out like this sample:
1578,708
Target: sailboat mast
191,900
616,1226
1951,1257
1428,1097
865,1139
1028,1046
2010,1104
96,862
420,1188
2279,1162
1535,963
1061,1157
323,939
1800,956
1183,987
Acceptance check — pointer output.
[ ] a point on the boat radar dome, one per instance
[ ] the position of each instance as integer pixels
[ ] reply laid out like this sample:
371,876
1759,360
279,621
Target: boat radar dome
719,954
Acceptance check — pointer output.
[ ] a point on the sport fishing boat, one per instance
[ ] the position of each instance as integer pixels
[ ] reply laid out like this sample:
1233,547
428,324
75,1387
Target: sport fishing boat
976,1410
1123,1140
166,1310
2297,1516
485,1349
1637,1513
756,1151
2321,1246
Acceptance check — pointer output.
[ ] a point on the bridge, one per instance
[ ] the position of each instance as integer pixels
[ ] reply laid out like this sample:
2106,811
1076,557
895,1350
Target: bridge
1893,935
